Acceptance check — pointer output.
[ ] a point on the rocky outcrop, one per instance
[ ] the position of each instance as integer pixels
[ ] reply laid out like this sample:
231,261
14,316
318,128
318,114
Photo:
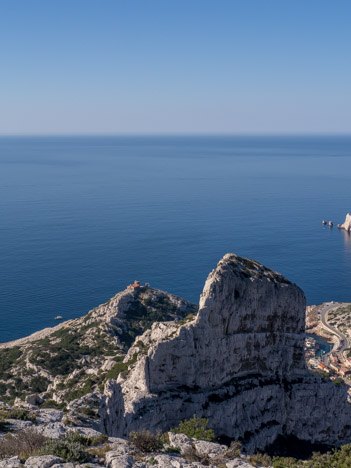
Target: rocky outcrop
76,357
240,363
347,223
95,450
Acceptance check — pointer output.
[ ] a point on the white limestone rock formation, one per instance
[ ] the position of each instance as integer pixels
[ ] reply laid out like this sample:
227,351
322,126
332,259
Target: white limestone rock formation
239,362
78,354
347,223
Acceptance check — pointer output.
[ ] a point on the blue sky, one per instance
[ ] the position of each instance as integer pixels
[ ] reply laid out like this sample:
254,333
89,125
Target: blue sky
174,66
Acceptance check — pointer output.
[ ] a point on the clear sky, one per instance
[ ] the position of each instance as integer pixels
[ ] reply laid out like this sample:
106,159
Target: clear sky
175,66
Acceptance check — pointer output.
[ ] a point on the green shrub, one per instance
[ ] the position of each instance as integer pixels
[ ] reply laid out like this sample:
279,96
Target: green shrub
100,439
8,356
75,436
145,441
339,382
286,462
119,367
88,387
53,404
16,413
68,448
195,428
172,449
186,319
39,384
260,459
89,412
321,373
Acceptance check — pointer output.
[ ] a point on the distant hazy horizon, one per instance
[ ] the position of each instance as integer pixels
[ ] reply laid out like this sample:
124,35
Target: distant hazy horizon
178,134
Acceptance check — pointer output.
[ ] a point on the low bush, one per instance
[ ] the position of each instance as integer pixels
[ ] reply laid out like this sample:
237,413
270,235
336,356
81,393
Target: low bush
119,367
261,459
195,428
53,404
75,436
89,412
23,443
145,441
8,357
172,449
339,382
68,449
16,413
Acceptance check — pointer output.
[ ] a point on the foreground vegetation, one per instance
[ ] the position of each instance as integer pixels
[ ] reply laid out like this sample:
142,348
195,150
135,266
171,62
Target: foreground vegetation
144,445
338,458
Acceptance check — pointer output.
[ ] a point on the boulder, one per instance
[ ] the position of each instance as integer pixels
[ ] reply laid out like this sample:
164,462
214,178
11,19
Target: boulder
46,416
119,459
55,430
63,465
44,461
34,399
13,462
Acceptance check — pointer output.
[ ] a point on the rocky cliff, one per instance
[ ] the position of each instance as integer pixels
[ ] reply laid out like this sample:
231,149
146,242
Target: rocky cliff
239,362
58,365
148,359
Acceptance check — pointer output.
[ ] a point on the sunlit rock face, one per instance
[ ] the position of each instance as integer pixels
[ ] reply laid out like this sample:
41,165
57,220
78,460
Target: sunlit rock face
239,362
347,223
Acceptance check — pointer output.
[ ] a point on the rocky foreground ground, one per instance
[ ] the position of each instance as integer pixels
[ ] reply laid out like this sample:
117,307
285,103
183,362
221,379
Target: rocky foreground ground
41,431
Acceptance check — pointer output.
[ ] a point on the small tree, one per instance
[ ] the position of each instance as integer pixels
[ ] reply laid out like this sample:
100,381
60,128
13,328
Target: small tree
145,441
339,382
195,428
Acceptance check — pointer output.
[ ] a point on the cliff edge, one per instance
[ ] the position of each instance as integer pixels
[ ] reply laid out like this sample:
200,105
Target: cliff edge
239,362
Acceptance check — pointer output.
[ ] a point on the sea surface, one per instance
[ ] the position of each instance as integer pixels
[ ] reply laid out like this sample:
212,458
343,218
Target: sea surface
83,217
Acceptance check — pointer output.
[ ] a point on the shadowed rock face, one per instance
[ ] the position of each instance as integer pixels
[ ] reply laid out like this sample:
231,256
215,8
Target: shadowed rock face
240,363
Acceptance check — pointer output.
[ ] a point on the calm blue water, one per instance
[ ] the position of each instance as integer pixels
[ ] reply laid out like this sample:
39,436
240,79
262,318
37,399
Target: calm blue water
324,345
82,217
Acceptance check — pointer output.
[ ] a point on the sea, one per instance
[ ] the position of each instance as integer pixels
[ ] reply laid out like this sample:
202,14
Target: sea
81,217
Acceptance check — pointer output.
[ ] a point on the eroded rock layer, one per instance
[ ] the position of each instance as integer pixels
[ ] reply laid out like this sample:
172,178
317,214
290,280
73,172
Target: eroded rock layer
240,363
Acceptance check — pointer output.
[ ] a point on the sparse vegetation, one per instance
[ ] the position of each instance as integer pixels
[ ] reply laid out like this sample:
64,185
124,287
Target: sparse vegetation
119,367
81,439
23,443
338,458
16,413
186,319
8,357
195,428
70,449
53,404
145,441
260,460
85,342
339,382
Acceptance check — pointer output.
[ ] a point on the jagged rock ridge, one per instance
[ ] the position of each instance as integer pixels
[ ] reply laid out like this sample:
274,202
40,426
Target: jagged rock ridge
76,357
240,363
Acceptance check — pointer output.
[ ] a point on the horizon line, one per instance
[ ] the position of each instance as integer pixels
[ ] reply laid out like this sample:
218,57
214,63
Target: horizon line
178,134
